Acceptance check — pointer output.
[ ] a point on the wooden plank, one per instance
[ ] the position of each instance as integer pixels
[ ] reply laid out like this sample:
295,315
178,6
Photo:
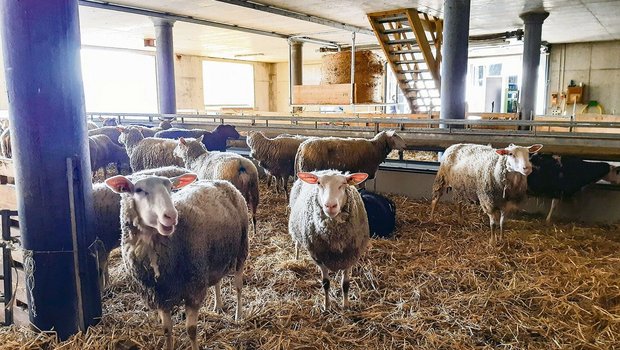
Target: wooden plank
8,197
333,94
420,35
6,167
580,118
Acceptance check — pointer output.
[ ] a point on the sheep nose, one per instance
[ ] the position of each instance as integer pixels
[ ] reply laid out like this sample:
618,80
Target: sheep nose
331,206
170,217
527,170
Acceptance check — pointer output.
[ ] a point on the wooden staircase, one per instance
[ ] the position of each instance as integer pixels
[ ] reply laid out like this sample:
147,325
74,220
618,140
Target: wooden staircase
411,41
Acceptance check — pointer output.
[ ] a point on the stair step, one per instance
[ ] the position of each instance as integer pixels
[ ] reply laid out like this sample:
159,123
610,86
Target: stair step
412,71
402,52
396,18
409,62
397,30
401,41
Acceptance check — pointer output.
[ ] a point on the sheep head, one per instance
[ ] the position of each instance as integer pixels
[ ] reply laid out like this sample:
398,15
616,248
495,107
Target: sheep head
395,141
152,198
332,187
518,157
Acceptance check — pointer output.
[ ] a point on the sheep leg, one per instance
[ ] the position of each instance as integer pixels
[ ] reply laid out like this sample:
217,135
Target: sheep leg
494,217
433,206
501,225
269,178
554,203
346,274
217,291
325,284
238,282
166,320
296,250
105,172
277,184
460,212
285,184
191,319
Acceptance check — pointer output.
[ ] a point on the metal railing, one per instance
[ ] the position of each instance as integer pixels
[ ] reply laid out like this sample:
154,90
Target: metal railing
7,264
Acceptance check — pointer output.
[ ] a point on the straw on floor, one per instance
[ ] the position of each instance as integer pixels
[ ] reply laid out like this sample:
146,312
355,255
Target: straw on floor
434,286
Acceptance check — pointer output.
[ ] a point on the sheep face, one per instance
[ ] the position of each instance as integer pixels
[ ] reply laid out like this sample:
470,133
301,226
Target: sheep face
332,189
187,145
129,135
613,176
152,199
395,141
165,124
519,157
110,122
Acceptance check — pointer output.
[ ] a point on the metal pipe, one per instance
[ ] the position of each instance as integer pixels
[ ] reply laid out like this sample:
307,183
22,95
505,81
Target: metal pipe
299,16
531,60
353,70
290,74
305,39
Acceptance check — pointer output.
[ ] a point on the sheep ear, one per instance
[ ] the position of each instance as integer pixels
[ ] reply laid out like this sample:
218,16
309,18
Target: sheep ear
501,151
121,129
200,138
390,133
119,184
309,178
183,180
182,141
356,178
535,148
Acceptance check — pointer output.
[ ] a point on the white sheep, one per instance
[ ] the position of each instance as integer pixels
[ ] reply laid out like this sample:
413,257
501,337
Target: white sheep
275,155
229,166
107,227
328,218
91,125
176,245
148,153
496,178
347,154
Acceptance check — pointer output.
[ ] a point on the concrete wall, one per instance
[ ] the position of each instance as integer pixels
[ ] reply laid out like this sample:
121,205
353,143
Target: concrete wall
596,64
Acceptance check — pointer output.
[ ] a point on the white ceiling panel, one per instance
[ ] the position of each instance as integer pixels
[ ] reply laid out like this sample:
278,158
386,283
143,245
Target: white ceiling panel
569,21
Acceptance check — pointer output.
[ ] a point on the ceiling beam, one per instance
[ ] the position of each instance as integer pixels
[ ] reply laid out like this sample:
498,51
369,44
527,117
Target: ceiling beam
176,17
300,16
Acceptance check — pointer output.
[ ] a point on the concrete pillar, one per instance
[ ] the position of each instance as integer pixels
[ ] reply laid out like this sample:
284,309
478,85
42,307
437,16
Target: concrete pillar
296,68
454,58
41,43
296,62
166,95
531,60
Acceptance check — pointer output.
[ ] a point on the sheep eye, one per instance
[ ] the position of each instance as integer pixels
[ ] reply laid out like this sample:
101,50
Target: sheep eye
510,154
138,190
318,182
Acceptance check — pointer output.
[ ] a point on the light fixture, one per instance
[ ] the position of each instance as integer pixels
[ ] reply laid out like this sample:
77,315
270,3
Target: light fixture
250,54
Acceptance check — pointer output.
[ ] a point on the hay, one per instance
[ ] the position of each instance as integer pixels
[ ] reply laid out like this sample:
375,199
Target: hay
434,286
424,156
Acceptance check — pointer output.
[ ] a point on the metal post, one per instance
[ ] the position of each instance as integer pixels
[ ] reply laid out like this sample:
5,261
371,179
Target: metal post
454,56
353,70
41,42
531,60
166,95
295,66
7,263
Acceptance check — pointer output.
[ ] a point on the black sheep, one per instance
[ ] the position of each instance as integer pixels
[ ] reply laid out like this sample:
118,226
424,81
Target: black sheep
214,140
561,177
381,213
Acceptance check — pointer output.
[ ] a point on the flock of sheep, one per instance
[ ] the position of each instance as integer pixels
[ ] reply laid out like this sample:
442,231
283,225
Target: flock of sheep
181,216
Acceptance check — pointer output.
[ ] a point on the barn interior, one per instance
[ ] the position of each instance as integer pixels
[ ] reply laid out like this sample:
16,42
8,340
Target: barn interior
437,73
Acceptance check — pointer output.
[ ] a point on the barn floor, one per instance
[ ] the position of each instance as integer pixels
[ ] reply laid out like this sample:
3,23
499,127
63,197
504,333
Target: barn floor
435,286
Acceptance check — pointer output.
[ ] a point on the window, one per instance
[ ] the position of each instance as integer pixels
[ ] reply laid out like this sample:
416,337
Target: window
119,81
228,84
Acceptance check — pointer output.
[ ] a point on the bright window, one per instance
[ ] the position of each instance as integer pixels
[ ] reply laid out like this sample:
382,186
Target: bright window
228,84
119,81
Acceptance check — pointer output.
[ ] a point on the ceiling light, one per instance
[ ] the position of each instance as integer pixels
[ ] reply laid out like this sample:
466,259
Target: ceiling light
250,54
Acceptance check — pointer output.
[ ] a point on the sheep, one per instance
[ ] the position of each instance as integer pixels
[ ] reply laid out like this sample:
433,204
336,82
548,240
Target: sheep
347,154
5,144
328,218
109,121
176,245
276,156
241,172
103,152
558,177
147,153
91,125
214,140
497,178
107,227
112,132
148,131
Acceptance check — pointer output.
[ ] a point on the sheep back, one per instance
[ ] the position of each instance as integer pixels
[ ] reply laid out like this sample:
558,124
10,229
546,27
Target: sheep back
344,154
153,153
276,155
210,240
110,131
337,243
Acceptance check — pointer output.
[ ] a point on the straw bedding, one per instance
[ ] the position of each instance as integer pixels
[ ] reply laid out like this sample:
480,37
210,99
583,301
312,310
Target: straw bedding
434,286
